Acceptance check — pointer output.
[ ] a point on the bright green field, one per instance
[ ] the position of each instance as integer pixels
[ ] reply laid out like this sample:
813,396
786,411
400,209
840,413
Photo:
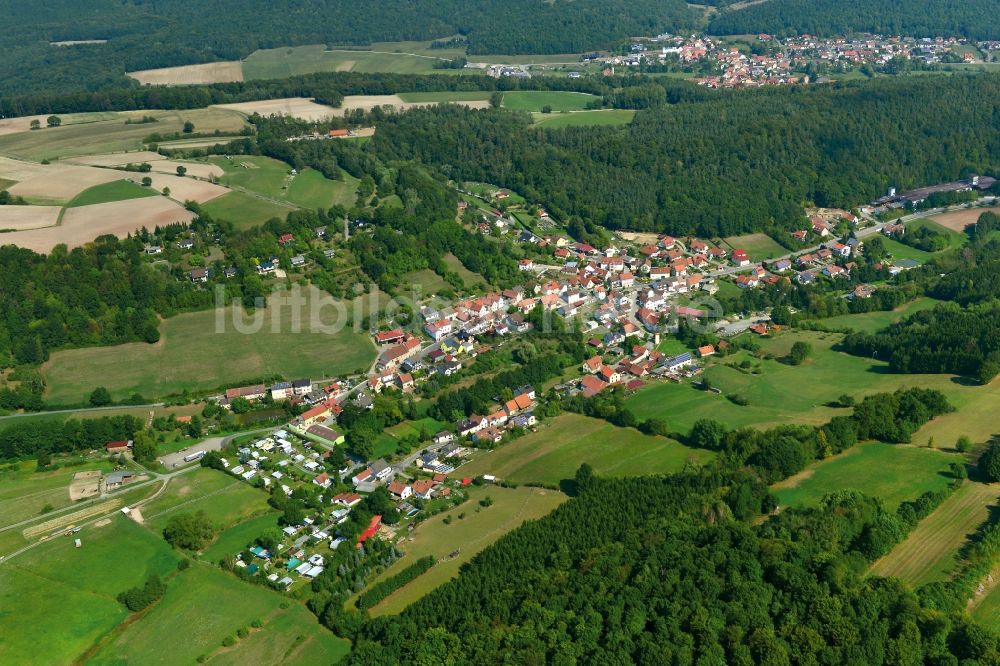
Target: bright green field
244,210
225,499
174,620
63,598
987,611
534,100
759,247
192,355
118,190
470,535
890,472
399,57
955,239
233,539
445,96
799,394
870,322
562,444
113,135
900,251
468,277
585,118
272,179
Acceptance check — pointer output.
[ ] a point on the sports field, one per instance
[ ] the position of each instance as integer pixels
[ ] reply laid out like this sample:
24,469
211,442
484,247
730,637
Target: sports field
234,605
759,247
870,322
585,118
73,590
536,100
107,136
193,354
480,527
562,444
892,472
117,190
929,552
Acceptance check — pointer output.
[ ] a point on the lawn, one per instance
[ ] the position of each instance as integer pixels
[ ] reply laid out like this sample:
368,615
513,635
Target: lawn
234,604
929,552
536,100
801,394
468,277
63,598
24,493
201,351
987,611
600,118
225,499
311,189
118,190
480,528
759,247
446,96
892,472
870,322
113,135
244,210
899,251
561,445
234,539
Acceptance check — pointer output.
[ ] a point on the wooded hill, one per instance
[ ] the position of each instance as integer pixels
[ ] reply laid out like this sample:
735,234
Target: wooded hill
144,35
975,19
726,163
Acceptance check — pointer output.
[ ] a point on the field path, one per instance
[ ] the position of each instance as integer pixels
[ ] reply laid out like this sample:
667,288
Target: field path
926,554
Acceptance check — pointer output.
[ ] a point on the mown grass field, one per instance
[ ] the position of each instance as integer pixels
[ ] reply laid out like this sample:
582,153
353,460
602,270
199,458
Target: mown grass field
894,473
225,499
870,322
113,135
399,57
119,190
244,210
193,354
759,247
602,118
987,610
480,527
899,251
562,444
234,604
233,539
929,552
57,600
535,100
802,394
956,239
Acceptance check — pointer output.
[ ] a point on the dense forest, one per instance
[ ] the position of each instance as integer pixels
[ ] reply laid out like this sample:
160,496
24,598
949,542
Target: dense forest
724,164
142,34
919,18
661,570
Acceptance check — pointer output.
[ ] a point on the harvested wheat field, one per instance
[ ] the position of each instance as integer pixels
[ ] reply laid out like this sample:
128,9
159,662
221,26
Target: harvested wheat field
18,170
196,143
82,225
212,72
960,219
297,107
187,189
369,102
116,159
62,182
196,169
20,218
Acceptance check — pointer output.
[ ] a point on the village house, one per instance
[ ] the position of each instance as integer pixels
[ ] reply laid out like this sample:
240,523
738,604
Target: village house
740,258
199,275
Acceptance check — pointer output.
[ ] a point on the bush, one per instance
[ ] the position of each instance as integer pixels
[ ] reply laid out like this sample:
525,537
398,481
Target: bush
138,598
989,463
